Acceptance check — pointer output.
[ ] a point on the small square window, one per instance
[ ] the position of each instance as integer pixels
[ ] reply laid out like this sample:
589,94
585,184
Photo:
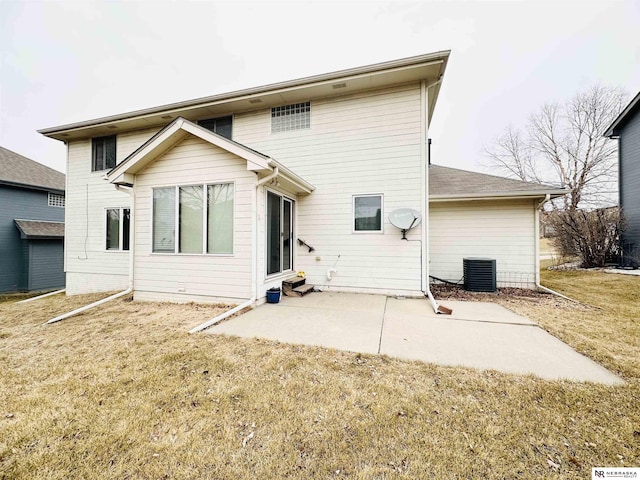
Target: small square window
56,200
367,213
291,117
103,153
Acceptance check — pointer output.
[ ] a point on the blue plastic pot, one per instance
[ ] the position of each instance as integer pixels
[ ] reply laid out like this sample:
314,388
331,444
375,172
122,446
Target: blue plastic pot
273,295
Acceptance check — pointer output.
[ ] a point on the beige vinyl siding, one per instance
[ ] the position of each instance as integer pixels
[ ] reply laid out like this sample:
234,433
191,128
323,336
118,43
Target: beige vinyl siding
189,277
367,143
504,230
89,266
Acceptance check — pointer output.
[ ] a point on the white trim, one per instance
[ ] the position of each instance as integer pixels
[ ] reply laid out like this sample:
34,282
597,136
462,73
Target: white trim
57,196
176,238
353,213
120,230
281,272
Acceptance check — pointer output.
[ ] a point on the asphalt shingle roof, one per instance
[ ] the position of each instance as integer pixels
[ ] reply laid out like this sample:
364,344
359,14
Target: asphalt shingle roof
445,181
40,229
16,169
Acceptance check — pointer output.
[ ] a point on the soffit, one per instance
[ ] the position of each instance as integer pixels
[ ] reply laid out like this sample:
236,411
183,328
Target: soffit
427,67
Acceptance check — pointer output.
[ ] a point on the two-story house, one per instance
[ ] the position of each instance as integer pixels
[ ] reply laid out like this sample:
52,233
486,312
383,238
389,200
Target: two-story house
31,224
626,128
221,198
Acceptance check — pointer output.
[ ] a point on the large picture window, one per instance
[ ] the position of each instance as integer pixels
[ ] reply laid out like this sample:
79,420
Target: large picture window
200,222
103,153
118,229
367,213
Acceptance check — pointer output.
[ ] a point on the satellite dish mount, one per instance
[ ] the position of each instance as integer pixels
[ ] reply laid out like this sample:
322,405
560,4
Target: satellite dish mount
405,219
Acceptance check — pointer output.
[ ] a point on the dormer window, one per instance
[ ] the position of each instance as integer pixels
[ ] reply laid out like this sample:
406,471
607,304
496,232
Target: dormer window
291,117
221,125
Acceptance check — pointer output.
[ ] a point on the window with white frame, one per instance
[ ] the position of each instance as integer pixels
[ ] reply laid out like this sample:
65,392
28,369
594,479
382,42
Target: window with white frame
103,153
367,213
118,229
193,219
291,117
56,200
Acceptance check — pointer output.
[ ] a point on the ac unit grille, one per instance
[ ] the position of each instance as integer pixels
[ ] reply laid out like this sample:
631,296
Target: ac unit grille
479,274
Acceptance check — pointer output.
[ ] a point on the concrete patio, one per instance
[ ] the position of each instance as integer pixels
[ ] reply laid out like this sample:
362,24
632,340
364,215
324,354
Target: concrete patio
478,334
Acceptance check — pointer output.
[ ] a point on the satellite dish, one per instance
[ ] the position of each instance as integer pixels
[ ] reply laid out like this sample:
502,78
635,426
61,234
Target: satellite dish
405,219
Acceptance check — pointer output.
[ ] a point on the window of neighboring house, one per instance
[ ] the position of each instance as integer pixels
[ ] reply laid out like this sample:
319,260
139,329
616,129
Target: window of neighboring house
221,125
291,117
193,219
367,213
56,200
118,225
103,153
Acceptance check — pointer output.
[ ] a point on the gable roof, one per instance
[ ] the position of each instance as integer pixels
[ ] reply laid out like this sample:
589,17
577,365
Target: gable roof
626,114
37,229
429,67
453,184
180,128
18,170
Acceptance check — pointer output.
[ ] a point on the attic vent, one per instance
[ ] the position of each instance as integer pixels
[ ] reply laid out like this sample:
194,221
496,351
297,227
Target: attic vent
339,85
479,274
255,100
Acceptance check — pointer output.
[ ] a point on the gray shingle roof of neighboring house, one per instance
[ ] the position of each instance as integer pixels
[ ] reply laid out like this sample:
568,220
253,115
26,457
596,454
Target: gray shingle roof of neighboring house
625,115
16,169
40,229
445,182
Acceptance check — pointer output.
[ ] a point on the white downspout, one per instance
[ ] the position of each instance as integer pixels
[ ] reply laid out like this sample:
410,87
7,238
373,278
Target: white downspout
254,253
44,295
132,243
537,247
424,172
268,178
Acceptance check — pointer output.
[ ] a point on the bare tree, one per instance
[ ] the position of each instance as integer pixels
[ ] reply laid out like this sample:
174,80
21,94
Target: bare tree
563,145
592,235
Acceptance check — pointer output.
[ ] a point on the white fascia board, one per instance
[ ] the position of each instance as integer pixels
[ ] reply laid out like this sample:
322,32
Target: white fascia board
498,196
166,136
174,133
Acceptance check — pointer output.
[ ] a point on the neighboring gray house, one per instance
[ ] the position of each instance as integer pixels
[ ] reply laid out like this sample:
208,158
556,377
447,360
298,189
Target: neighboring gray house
626,128
32,199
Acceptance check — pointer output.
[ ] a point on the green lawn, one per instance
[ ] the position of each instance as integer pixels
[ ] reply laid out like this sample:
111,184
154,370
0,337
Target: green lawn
125,392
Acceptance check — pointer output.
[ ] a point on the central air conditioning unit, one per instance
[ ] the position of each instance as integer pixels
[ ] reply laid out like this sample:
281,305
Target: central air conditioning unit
479,274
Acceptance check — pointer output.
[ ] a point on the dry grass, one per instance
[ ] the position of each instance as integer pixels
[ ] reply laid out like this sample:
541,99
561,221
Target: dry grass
125,392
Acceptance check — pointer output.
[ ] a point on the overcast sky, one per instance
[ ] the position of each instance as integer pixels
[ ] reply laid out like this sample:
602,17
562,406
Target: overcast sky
64,61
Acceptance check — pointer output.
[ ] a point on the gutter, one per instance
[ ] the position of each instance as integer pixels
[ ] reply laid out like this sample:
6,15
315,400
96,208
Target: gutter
132,243
498,196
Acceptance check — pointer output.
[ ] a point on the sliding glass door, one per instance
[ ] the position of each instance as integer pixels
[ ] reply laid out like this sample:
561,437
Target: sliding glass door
279,233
